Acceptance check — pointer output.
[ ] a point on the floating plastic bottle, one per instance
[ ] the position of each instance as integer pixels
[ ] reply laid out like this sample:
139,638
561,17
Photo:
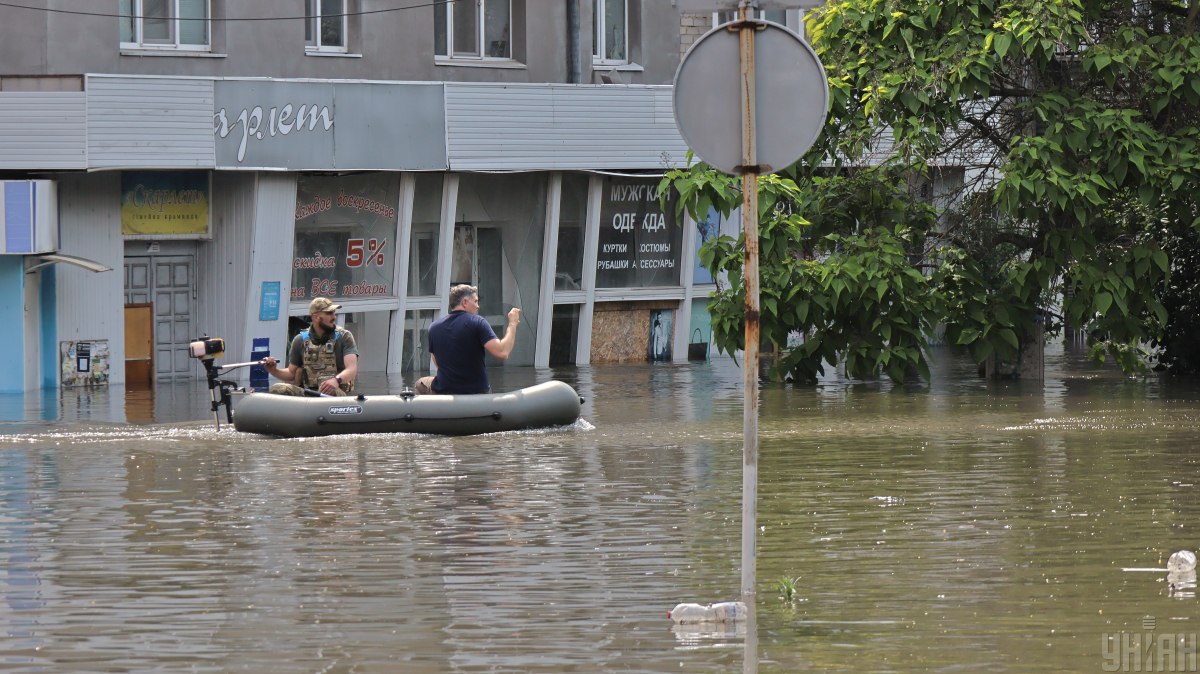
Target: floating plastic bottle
721,612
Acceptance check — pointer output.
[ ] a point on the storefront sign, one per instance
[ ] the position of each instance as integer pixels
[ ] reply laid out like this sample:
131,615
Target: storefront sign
165,204
345,231
639,242
327,125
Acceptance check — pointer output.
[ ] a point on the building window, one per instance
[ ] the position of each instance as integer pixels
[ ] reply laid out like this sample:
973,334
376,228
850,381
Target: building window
778,16
165,24
325,27
473,29
572,219
426,230
612,31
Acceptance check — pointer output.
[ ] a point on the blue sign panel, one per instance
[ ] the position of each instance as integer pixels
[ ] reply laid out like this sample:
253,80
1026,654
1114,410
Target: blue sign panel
268,308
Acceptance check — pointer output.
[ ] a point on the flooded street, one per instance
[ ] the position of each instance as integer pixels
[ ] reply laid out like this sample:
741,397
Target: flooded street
964,526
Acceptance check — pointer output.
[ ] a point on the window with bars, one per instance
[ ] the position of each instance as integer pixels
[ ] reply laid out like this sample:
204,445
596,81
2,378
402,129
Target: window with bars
778,16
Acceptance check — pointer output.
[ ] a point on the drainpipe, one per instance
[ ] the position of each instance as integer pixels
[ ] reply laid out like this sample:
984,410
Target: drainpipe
574,74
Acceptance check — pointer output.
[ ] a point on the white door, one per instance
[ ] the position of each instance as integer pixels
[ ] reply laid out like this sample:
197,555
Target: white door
165,281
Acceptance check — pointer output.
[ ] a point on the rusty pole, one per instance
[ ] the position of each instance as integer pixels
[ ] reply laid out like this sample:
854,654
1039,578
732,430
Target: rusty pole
749,170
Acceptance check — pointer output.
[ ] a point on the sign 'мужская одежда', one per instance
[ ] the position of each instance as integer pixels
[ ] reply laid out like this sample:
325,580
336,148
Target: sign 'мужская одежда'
639,242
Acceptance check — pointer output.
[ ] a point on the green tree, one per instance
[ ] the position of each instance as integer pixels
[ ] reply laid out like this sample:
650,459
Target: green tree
1073,126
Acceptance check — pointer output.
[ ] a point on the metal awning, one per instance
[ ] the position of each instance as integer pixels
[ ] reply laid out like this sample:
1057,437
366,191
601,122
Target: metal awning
48,259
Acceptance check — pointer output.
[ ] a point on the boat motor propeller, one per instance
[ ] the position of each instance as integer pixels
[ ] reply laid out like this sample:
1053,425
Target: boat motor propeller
207,349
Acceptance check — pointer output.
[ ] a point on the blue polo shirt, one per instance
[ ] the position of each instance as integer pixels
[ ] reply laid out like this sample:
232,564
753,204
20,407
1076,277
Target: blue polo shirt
456,340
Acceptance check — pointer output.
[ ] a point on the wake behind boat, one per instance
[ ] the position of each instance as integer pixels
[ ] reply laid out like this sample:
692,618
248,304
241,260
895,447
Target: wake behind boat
552,403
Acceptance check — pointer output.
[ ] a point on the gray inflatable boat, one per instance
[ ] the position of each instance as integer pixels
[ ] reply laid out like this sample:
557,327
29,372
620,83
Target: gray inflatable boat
553,403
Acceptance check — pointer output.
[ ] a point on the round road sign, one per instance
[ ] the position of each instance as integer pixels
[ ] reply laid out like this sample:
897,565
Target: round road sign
792,98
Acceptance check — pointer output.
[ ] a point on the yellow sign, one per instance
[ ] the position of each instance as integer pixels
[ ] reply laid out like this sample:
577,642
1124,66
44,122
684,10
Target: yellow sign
164,204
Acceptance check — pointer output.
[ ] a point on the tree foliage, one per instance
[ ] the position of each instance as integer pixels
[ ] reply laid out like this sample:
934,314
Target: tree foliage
1060,140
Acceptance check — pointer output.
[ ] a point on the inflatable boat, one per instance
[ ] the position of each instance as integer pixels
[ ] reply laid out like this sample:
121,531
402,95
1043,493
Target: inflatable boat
553,403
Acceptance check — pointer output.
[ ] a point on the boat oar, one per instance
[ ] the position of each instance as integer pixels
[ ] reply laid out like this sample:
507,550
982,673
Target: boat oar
234,366
310,392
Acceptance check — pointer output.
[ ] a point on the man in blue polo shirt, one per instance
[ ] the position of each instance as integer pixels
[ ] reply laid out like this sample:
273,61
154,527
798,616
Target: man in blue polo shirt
458,341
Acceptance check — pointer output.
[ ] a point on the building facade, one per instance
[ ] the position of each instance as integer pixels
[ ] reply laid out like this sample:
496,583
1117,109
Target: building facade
226,162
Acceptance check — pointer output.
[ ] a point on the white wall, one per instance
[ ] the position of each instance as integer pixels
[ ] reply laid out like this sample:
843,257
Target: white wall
42,130
270,259
223,265
550,127
91,305
158,122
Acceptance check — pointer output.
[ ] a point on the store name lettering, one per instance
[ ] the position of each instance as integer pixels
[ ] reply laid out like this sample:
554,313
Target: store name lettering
621,192
279,121
651,222
158,200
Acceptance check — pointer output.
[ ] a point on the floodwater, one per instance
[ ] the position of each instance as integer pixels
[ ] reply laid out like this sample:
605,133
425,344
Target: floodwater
962,526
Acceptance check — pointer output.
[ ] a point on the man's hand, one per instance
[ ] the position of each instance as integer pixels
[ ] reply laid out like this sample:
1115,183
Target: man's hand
502,347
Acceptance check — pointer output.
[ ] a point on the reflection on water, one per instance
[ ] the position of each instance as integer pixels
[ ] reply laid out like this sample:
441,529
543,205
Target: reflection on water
968,525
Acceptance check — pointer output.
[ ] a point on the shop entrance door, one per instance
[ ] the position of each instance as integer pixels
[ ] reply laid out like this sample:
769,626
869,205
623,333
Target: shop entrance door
139,346
166,282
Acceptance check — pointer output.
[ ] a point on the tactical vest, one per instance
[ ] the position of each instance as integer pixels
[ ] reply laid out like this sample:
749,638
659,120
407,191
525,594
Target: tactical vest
320,363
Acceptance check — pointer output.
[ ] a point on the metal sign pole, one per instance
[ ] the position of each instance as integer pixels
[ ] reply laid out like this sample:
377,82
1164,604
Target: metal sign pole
749,170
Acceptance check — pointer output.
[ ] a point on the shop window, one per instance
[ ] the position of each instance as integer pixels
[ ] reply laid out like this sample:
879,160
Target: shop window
415,356
345,236
707,230
564,334
489,273
165,24
426,230
500,225
568,266
462,260
326,26
471,267
640,242
473,29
